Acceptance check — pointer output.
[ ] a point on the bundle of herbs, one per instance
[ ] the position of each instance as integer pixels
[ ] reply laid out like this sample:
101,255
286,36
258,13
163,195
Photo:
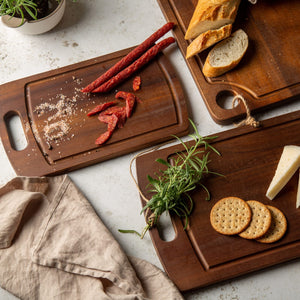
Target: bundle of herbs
172,186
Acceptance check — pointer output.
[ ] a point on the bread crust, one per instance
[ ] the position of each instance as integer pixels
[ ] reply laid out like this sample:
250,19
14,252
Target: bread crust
214,71
207,39
210,15
210,71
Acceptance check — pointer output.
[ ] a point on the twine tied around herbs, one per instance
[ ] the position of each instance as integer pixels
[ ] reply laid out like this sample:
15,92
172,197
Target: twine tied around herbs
149,219
250,120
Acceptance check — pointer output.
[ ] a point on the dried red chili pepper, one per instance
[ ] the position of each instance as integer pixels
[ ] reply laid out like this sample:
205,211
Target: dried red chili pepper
130,57
112,121
120,112
103,137
114,116
121,94
144,59
136,84
104,118
111,126
101,107
130,102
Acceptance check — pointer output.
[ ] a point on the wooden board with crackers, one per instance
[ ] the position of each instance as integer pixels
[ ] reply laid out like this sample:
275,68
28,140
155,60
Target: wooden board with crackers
251,219
240,229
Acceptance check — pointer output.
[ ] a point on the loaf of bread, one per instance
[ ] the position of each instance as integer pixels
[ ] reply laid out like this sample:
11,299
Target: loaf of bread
207,39
226,55
210,15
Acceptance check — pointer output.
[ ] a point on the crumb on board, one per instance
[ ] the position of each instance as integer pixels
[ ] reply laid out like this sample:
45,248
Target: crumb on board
58,111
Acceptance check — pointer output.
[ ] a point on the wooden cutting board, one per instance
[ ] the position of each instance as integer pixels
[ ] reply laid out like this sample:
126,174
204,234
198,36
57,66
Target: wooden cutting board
269,73
200,256
54,97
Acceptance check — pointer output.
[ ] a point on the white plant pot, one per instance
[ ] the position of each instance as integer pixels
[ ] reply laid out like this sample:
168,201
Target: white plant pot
37,26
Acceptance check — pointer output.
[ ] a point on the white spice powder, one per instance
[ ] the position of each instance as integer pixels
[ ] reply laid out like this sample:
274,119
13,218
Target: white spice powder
58,122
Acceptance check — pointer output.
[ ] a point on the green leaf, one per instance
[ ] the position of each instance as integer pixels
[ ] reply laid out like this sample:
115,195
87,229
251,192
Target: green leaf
164,162
129,231
33,15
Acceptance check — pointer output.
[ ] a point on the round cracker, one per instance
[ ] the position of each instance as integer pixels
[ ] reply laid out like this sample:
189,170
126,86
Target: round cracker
260,222
230,215
278,226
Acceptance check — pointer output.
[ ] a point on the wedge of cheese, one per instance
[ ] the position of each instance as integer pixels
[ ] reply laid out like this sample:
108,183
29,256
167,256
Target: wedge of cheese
298,193
288,164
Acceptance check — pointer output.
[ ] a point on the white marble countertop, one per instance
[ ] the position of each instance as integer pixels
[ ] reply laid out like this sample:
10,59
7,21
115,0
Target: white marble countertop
93,28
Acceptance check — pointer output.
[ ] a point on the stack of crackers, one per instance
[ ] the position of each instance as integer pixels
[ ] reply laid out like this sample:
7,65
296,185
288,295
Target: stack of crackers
249,219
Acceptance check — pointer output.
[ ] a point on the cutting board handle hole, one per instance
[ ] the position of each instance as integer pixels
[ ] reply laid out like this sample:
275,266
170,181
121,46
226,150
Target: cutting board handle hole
15,131
224,99
165,228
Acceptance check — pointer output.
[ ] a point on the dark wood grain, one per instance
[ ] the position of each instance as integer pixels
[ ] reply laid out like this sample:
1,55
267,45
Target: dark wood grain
200,256
269,73
160,113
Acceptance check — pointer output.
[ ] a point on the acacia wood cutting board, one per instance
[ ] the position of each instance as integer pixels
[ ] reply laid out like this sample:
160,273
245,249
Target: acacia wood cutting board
269,73
200,256
62,138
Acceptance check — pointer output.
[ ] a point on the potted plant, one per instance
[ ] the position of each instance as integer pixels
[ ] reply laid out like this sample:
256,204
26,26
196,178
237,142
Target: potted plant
32,16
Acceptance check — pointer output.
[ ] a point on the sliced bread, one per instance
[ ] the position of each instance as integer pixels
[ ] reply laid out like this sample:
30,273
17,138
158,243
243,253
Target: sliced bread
207,39
210,15
226,55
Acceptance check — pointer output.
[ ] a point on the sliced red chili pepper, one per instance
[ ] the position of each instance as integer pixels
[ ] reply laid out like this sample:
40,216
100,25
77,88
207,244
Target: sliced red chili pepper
103,137
111,121
136,84
114,116
122,117
101,107
120,112
130,101
104,118
111,126
121,94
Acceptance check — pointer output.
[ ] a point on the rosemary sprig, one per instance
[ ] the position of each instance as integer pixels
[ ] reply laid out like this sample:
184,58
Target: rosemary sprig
172,186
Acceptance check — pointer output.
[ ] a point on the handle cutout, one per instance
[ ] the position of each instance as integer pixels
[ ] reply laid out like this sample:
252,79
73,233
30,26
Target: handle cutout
165,228
15,131
224,99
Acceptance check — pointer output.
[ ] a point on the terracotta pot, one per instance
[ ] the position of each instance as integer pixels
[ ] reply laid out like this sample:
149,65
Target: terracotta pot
41,25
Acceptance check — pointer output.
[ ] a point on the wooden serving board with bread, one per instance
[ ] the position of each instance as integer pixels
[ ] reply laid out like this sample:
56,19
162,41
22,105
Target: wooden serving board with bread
267,75
54,98
202,255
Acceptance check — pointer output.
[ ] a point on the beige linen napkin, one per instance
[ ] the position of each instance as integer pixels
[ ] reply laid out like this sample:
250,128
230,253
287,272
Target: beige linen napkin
54,246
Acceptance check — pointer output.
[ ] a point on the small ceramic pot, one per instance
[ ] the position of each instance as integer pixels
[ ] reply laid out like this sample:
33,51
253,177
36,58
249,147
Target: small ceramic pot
37,26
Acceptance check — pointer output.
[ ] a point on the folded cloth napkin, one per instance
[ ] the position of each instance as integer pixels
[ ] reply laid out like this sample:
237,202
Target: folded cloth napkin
54,246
